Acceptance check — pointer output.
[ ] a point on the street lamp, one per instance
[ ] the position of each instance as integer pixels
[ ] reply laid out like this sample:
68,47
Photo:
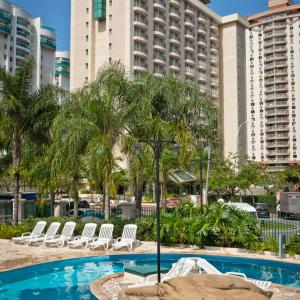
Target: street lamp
238,152
157,146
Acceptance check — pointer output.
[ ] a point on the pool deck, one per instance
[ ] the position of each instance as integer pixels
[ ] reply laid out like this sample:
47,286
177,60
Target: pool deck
14,255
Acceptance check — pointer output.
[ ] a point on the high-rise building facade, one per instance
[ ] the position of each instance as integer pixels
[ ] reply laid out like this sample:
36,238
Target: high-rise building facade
159,36
273,80
21,36
62,69
183,37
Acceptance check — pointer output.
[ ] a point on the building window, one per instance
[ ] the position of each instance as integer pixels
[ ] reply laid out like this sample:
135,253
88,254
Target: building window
87,24
86,51
86,65
87,10
87,38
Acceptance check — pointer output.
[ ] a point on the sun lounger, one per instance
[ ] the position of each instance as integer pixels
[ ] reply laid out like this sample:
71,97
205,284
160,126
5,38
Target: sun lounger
182,267
51,232
65,236
36,232
204,265
105,237
86,237
128,238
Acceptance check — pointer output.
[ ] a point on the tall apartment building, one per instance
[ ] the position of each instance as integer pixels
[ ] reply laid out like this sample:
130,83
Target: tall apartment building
21,36
62,69
183,37
273,92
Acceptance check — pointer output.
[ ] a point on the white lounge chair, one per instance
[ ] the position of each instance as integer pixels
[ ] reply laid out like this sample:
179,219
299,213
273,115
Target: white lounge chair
105,237
36,232
182,267
86,237
65,236
204,265
51,232
128,238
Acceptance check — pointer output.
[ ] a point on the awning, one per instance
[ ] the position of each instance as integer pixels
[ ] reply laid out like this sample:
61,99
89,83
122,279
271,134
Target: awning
181,176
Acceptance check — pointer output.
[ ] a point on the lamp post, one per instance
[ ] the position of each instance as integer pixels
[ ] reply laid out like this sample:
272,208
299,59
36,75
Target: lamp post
157,146
238,151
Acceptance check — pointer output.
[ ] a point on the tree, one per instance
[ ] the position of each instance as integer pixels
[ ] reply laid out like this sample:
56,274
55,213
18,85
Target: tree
23,113
89,127
290,177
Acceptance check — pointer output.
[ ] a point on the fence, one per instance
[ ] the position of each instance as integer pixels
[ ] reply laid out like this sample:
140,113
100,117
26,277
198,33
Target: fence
275,223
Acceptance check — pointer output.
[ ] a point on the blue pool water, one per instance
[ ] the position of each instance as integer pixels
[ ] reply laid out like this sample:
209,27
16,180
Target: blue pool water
70,279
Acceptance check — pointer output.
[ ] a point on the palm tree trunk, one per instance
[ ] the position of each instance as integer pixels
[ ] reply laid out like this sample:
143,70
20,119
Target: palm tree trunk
106,204
52,202
16,156
75,197
138,196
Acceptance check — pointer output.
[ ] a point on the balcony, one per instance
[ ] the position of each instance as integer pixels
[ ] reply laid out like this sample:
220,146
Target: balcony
47,43
160,4
174,53
175,3
23,46
175,27
175,67
141,23
175,14
159,19
143,53
160,46
277,112
189,24
189,10
215,83
202,55
175,41
140,7
202,20
5,28
190,61
5,17
214,60
202,78
202,67
190,48
214,28
202,43
214,38
143,38
140,67
202,31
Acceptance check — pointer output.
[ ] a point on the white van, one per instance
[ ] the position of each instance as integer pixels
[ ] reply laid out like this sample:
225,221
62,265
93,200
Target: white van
245,207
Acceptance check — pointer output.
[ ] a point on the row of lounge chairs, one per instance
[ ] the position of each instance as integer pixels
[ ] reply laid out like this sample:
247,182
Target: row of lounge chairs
184,266
86,239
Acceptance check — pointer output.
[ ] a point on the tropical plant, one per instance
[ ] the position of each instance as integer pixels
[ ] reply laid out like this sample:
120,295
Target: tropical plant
24,113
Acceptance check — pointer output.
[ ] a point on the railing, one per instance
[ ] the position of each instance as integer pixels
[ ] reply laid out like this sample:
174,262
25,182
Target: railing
6,219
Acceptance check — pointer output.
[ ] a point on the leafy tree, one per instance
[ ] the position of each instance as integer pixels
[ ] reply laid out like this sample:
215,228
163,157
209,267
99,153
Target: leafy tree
88,130
289,177
24,114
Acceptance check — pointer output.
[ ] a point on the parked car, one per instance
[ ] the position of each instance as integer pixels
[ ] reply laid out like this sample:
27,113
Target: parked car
86,213
262,210
244,207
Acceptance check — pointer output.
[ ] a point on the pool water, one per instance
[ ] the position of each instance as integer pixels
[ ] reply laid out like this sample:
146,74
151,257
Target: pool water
70,279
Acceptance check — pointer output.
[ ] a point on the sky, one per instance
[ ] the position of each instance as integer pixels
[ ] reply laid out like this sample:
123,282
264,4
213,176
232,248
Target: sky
56,13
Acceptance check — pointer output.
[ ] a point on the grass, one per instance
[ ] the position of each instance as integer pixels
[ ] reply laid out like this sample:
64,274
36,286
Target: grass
269,225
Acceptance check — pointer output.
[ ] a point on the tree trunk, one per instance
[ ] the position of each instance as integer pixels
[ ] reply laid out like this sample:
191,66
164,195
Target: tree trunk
16,157
75,197
138,196
106,204
164,190
103,199
52,202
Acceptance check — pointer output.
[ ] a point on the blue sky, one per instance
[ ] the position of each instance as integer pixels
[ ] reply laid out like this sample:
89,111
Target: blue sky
56,13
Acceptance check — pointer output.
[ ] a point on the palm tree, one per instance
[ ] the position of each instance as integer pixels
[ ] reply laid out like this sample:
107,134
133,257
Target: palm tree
168,108
88,129
24,114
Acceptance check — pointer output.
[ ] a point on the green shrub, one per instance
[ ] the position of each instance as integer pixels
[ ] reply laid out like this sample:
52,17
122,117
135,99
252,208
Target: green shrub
214,225
293,245
270,244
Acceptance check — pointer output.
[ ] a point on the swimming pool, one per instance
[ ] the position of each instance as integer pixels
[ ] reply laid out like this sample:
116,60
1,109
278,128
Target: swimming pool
70,279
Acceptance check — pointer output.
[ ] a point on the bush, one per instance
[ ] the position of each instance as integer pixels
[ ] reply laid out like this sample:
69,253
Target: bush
270,244
214,225
293,245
